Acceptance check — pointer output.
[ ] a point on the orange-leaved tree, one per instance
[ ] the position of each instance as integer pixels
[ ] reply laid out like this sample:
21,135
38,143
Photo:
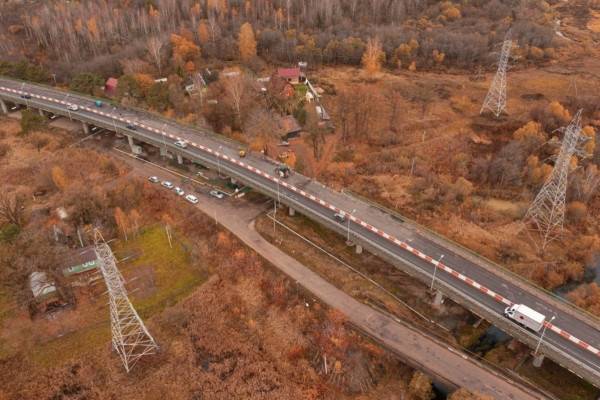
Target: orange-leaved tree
247,42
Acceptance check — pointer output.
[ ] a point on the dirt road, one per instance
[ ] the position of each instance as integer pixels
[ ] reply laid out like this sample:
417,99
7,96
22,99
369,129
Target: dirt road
416,349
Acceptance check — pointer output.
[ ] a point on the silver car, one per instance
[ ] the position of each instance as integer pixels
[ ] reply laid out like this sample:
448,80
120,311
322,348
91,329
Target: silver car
167,184
217,194
191,198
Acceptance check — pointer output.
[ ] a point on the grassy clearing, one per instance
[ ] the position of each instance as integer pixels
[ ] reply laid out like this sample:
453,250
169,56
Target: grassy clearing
77,343
174,274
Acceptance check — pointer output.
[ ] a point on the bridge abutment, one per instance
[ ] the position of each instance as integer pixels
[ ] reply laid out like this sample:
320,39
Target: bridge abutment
3,106
438,299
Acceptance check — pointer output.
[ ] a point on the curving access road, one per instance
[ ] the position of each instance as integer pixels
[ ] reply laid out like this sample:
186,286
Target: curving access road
573,339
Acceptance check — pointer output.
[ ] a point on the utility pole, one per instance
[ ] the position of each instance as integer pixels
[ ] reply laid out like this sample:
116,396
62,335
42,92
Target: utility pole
543,333
495,100
130,338
547,212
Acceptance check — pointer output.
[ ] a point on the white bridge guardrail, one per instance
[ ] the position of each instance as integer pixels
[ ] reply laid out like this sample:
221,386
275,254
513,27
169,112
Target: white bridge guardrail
405,246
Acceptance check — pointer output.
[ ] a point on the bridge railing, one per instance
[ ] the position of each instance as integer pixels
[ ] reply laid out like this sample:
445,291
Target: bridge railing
445,240
155,114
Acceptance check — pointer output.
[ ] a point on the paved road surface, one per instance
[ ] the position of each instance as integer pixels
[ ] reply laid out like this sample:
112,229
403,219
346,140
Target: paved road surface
367,224
417,349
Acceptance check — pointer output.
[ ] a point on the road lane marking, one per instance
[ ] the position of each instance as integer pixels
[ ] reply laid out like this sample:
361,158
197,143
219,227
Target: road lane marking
377,231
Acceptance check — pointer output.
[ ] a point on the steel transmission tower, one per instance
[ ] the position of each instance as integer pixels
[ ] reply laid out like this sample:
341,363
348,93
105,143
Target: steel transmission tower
495,100
547,211
130,338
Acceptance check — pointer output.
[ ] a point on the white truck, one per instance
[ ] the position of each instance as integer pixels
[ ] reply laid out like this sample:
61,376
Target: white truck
526,316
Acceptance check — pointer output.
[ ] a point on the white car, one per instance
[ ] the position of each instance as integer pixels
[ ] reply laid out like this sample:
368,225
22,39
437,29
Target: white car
179,191
72,107
167,184
154,179
217,194
191,198
181,143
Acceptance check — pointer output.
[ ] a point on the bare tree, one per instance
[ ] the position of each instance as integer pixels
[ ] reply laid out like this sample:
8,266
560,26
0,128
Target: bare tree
235,86
11,209
155,45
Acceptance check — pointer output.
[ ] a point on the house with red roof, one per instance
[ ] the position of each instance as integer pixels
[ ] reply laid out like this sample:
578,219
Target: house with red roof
291,75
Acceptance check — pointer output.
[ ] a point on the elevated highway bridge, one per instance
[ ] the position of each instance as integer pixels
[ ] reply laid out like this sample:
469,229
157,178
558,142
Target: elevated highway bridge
572,339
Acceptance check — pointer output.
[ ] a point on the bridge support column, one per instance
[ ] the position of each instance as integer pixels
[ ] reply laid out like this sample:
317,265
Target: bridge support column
291,212
163,152
3,106
86,127
537,360
41,112
179,159
358,249
438,299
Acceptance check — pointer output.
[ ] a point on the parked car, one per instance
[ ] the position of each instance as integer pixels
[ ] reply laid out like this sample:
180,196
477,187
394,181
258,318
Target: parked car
25,96
181,143
191,198
16,107
167,184
52,116
131,126
98,103
179,191
154,179
217,194
72,107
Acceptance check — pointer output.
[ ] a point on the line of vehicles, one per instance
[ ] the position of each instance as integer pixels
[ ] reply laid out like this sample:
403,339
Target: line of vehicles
520,313
180,192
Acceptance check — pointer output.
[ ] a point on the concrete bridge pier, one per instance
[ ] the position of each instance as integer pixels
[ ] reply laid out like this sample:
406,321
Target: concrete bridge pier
291,212
438,299
41,112
179,159
86,127
4,107
358,249
130,141
538,360
163,152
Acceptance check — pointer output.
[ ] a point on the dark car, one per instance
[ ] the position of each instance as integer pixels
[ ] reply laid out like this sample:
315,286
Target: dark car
132,127
25,96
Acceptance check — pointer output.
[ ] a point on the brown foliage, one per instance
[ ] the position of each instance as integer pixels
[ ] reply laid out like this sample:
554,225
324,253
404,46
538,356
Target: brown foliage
11,209
587,297
247,42
373,57
420,386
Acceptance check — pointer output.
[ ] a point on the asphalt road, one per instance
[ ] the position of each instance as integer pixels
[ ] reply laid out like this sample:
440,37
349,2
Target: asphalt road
578,325
442,362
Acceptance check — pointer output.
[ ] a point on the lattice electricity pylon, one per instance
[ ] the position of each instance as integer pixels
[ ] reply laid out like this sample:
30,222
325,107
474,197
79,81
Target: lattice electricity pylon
495,100
130,338
547,212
